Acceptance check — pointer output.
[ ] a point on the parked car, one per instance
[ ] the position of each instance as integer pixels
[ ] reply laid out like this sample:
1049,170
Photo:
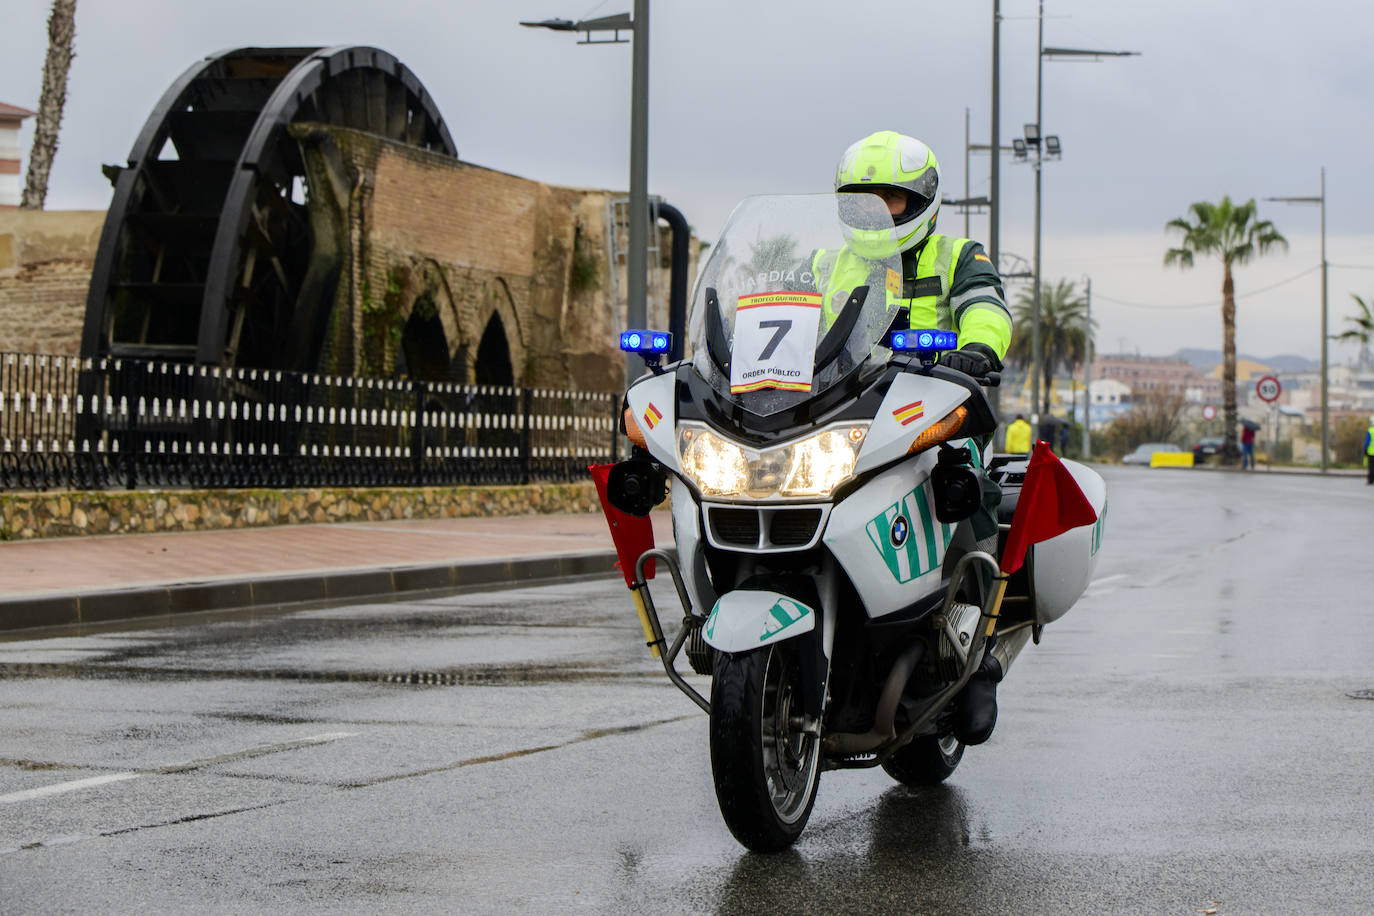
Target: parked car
1142,453
1207,447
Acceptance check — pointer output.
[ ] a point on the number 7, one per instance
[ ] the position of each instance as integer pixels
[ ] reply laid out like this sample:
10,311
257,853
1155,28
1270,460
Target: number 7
781,327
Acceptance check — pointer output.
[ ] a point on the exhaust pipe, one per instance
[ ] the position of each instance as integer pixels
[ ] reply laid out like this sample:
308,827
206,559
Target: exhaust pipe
885,717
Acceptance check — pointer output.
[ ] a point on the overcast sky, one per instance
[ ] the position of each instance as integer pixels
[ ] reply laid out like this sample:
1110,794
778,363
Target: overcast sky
1236,98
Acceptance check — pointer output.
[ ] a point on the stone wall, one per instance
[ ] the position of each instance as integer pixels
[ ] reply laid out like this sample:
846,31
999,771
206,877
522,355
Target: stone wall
72,513
475,245
45,269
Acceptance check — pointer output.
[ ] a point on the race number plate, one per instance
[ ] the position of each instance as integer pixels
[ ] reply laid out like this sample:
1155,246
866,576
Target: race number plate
775,341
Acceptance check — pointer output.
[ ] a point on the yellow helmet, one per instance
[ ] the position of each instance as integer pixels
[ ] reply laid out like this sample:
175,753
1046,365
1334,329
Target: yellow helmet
888,158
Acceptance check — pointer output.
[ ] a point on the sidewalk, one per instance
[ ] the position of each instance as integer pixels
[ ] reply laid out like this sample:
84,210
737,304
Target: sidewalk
80,580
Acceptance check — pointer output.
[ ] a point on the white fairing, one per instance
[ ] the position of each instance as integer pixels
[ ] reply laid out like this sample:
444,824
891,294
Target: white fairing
912,405
745,619
1064,565
887,538
687,535
653,404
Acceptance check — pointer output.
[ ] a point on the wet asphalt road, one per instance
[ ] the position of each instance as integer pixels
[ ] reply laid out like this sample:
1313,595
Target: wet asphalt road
1182,741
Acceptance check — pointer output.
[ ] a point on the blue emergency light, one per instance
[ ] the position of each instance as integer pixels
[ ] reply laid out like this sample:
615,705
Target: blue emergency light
923,340
645,342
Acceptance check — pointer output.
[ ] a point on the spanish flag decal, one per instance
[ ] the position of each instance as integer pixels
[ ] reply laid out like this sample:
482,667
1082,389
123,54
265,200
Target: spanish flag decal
982,257
910,413
652,416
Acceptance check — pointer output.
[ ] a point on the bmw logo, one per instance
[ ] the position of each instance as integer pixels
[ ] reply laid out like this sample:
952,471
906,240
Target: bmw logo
900,528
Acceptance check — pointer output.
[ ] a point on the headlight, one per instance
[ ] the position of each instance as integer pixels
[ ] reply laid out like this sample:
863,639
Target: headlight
808,468
716,466
820,462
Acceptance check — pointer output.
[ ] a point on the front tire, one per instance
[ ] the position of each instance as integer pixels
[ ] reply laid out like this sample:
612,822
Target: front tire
766,770
927,761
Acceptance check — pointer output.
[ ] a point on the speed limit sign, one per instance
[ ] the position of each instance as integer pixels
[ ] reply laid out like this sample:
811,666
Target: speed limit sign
1209,412
1268,389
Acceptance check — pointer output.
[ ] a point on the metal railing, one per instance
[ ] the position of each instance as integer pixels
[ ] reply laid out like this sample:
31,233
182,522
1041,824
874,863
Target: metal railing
71,422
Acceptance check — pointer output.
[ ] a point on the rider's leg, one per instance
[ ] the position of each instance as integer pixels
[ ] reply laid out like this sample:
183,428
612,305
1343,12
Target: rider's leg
975,709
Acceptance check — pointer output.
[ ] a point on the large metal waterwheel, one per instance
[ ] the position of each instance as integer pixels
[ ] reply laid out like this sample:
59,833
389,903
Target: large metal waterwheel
208,254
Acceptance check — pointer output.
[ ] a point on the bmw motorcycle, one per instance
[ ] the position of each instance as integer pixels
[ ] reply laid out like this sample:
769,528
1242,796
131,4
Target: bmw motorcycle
824,469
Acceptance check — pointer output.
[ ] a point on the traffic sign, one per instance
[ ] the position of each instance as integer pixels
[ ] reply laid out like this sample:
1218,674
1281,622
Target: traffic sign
1209,412
1268,389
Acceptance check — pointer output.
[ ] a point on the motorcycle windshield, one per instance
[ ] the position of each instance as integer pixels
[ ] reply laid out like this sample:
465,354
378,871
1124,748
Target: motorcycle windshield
794,297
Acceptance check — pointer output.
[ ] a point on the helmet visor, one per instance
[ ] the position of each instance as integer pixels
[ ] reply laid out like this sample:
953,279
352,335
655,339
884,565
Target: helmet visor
920,194
860,208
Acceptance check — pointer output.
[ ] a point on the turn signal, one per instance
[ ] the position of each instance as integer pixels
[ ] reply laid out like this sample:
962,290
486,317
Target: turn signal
944,429
633,431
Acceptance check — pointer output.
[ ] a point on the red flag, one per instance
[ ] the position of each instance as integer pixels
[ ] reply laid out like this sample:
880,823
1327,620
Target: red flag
1051,503
631,535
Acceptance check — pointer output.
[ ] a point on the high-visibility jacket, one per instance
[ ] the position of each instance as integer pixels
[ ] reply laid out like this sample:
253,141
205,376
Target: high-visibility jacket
1019,437
1369,441
948,283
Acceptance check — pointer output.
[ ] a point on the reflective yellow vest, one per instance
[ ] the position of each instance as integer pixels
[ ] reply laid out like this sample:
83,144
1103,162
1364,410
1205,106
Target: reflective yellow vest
929,307
1019,437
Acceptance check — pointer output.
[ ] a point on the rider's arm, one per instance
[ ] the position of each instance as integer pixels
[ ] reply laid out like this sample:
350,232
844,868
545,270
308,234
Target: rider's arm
977,303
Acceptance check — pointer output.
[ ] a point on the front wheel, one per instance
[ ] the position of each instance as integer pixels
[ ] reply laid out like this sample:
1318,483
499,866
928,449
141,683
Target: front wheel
766,769
927,761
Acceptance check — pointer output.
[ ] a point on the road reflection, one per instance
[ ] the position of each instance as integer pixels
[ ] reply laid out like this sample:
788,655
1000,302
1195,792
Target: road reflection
914,846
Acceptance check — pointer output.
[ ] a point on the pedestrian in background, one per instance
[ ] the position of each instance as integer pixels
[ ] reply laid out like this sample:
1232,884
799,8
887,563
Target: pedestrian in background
1247,448
1369,453
1019,435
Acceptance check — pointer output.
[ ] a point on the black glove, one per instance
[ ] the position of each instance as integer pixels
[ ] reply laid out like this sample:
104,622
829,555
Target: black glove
973,359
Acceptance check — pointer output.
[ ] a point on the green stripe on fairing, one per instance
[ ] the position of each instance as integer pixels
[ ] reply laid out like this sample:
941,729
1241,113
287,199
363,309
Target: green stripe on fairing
927,527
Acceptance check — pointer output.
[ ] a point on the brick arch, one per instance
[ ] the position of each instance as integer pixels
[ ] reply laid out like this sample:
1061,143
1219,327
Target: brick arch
427,278
498,301
426,358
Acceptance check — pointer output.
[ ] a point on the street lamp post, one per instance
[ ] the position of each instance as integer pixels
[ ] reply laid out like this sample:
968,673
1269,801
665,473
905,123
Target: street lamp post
1088,372
1053,150
637,314
1321,201
636,267
995,143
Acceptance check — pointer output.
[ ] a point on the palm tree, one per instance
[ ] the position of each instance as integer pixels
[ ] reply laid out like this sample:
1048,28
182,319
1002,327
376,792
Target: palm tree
776,252
1362,331
1234,234
1063,322
51,100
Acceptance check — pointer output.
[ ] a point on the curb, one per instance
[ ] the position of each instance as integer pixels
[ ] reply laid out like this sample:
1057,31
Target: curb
385,583
1279,470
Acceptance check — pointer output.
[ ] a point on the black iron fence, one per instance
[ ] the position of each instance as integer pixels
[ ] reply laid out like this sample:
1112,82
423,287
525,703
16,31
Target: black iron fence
119,423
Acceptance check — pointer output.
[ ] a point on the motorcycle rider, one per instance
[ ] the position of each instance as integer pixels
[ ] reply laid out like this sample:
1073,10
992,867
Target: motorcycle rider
947,283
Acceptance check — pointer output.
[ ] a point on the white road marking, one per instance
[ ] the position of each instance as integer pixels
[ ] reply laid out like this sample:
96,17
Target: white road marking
90,782
61,787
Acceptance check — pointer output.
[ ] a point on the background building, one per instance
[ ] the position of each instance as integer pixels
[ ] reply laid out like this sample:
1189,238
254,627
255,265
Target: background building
1145,374
11,188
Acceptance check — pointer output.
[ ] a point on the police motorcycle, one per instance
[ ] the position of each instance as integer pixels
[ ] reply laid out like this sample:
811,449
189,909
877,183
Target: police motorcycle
823,470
